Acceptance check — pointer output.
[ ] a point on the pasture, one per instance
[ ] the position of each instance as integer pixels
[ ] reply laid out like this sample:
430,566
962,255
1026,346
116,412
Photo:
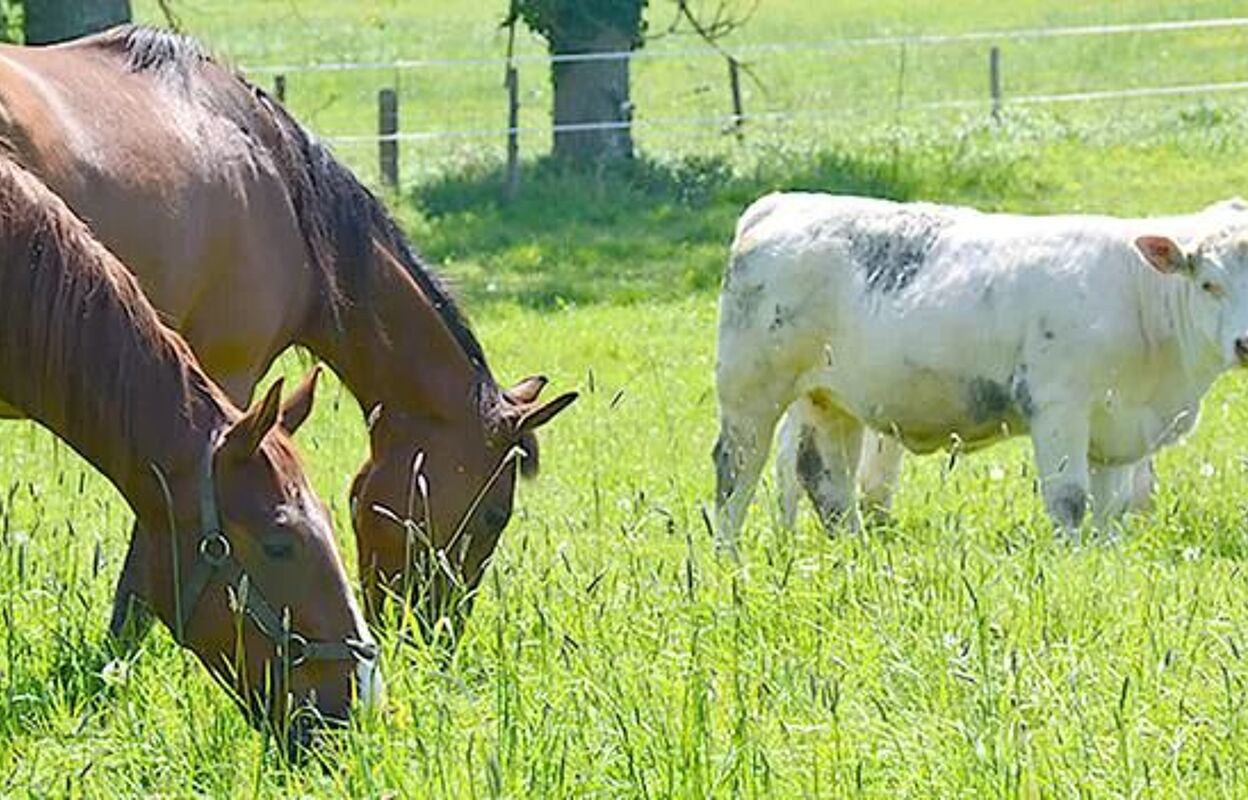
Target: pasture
962,650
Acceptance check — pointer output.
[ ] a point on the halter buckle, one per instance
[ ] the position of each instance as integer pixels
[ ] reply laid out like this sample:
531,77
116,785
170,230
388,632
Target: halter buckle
214,549
362,650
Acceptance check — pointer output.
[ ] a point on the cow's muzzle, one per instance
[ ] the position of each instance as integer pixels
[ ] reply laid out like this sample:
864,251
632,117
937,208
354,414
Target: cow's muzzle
1241,350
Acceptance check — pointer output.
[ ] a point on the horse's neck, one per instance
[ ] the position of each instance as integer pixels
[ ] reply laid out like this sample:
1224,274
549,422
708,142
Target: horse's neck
102,386
393,348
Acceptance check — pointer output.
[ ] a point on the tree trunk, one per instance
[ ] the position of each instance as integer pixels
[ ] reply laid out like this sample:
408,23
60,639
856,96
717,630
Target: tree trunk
50,21
588,92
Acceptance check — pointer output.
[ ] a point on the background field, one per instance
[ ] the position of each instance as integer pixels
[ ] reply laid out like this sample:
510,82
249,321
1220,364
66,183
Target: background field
961,651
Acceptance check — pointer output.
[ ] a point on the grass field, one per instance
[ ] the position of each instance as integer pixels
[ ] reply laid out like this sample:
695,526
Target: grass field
963,650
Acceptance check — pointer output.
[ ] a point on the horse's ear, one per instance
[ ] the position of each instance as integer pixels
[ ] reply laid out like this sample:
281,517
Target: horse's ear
533,418
526,391
243,438
299,405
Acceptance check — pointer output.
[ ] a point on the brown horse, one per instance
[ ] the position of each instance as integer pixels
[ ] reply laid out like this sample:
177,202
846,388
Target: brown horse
219,495
250,236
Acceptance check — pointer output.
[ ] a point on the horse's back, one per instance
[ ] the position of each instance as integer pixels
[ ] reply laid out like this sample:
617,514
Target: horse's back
177,186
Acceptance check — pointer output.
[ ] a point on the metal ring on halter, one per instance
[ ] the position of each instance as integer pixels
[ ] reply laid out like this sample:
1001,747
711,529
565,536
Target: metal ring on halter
214,548
297,650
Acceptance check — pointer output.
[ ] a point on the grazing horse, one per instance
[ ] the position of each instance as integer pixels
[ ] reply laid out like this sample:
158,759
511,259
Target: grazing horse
249,236
219,494
942,326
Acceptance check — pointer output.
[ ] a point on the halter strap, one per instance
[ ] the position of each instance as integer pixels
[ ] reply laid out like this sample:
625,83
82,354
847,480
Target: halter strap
214,559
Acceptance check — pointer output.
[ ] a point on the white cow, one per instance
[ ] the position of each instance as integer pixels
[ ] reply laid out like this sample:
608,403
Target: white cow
939,326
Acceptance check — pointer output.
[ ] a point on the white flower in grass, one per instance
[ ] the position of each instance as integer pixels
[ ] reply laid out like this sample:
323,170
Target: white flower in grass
116,672
1191,553
1207,470
996,473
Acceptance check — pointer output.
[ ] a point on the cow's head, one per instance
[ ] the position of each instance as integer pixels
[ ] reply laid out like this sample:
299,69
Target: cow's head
1217,269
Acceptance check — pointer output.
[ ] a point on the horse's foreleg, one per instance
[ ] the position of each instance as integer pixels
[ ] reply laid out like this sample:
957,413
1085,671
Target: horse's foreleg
131,620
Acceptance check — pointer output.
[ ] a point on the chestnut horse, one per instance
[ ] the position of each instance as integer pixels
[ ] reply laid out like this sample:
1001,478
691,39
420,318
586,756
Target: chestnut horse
219,495
250,236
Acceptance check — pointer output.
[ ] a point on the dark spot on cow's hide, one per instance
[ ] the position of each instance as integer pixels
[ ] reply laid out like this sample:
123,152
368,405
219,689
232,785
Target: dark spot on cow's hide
782,318
738,266
1069,506
1021,392
809,463
744,305
891,251
988,401
725,466
814,478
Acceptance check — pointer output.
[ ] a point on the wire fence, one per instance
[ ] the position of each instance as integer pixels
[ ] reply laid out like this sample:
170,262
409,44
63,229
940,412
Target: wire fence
452,108
1166,26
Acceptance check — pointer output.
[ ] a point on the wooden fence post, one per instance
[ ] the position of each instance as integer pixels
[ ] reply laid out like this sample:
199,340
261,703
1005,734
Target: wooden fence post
734,81
279,88
387,130
994,80
512,82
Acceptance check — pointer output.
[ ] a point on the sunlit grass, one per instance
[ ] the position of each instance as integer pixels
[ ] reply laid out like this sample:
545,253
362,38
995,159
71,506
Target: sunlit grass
962,649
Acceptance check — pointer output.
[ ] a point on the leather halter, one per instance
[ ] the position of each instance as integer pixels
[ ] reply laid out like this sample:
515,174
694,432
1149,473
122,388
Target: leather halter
214,559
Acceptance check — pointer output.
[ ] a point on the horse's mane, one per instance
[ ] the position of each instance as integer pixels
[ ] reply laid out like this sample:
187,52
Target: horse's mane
83,350
338,216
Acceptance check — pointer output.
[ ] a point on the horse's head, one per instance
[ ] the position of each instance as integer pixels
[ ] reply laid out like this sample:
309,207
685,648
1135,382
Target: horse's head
431,502
260,594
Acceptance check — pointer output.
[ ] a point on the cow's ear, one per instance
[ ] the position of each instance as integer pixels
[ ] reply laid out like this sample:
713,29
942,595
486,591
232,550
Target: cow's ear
1163,254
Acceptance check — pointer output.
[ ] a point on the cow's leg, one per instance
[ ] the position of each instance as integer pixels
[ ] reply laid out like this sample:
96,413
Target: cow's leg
740,453
828,451
787,487
1111,492
878,473
1143,484
1059,435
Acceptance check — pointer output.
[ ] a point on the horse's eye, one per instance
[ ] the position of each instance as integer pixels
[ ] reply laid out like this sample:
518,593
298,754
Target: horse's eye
1212,288
280,547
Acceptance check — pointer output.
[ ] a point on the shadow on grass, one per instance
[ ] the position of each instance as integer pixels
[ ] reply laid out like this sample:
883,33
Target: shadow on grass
656,229
643,230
